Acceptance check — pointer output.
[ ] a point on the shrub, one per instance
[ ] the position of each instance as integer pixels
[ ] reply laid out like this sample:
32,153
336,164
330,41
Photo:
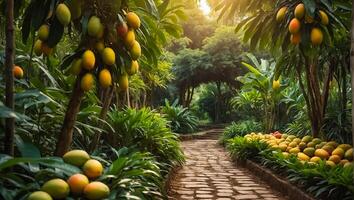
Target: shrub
148,131
240,129
181,119
242,148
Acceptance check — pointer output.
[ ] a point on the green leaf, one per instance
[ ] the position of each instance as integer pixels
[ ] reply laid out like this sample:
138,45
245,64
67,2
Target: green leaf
55,33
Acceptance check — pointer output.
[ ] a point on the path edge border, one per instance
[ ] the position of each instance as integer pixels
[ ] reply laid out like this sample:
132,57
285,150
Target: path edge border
276,182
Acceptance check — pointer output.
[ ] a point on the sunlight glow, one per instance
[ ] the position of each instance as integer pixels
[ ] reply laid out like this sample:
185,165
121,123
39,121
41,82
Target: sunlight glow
204,7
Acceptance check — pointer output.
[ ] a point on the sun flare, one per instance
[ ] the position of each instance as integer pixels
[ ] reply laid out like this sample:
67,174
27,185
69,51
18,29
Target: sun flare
205,7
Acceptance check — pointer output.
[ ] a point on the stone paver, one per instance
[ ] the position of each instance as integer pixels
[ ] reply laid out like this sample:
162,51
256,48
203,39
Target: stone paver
210,174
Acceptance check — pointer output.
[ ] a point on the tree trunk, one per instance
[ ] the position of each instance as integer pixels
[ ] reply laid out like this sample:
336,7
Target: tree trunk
9,78
352,71
66,135
105,107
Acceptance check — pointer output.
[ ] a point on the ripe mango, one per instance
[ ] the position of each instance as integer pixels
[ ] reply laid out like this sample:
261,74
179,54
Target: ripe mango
88,60
316,36
133,68
306,139
338,151
122,29
323,154
77,183
63,14
330,163
39,195
76,67
295,39
135,51
281,14
302,156
96,190
105,78
56,188
18,72
294,26
348,164
295,150
108,56
300,11
316,140
76,157
94,26
129,38
87,82
334,158
349,154
324,18
315,159
92,169
43,32
276,85
133,20
345,147
328,148
123,82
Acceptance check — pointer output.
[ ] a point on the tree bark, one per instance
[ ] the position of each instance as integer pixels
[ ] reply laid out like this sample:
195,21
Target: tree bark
105,107
9,77
352,70
66,135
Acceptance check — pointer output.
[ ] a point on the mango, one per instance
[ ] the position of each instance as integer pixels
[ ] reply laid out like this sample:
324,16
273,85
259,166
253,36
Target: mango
295,39
123,82
281,14
302,156
310,151
18,72
324,18
108,56
315,159
77,183
323,154
76,67
76,157
334,158
96,190
105,78
63,14
129,38
328,148
133,20
294,26
345,147
37,48
43,32
88,60
92,169
300,11
316,36
295,150
87,82
39,195
94,26
135,51
349,154
338,151
56,188
276,85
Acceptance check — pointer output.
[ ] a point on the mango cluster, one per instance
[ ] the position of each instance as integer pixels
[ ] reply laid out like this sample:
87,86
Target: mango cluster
87,62
308,149
77,185
301,18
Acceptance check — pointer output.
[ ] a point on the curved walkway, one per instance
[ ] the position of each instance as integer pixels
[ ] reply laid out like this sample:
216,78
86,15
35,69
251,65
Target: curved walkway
210,174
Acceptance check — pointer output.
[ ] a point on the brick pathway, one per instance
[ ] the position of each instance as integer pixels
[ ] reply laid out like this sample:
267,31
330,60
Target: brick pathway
210,174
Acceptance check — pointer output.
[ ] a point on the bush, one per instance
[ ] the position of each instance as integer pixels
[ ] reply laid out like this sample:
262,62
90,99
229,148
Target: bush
148,131
242,148
239,129
181,119
130,174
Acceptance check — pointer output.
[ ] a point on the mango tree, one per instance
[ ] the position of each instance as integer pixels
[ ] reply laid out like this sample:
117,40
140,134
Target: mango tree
298,31
112,38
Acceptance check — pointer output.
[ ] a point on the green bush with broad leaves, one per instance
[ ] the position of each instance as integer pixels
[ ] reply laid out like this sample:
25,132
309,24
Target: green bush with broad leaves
320,180
239,129
148,131
130,174
181,120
